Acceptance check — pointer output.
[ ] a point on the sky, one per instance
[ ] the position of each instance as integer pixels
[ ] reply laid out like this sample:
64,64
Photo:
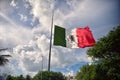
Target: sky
25,27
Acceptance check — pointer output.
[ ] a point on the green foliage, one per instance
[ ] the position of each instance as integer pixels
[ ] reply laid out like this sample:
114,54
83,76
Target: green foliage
107,53
28,77
21,77
90,72
9,77
3,58
42,75
108,46
46,75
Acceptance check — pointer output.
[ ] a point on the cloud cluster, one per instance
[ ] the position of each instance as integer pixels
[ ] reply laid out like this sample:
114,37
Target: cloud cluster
12,34
13,3
27,53
29,45
23,17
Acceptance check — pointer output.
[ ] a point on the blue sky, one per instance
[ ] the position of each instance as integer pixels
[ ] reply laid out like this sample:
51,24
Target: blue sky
25,30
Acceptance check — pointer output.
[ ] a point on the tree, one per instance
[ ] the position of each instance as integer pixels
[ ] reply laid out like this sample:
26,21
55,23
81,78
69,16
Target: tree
91,72
3,58
107,51
108,46
28,77
21,77
106,56
9,77
46,75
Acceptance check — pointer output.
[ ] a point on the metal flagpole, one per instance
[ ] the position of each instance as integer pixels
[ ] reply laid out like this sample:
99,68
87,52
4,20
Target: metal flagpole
49,60
42,67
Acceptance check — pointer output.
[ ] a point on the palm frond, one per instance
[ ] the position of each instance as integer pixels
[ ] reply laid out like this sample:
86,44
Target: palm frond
3,49
3,58
5,55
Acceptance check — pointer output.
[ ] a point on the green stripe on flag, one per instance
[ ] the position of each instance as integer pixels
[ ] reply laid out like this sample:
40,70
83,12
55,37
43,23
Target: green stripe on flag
59,36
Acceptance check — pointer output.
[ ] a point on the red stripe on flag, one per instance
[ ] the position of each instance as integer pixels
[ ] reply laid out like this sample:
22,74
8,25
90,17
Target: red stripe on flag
85,37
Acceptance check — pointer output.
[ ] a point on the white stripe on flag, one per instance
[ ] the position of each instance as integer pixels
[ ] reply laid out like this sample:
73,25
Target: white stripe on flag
71,39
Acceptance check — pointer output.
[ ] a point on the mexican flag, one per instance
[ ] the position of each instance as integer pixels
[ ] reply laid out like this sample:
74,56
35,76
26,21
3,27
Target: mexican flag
75,38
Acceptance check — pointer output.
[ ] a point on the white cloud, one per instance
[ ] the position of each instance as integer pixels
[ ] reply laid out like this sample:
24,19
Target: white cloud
30,45
11,36
12,33
4,7
23,17
26,6
42,10
30,54
6,69
13,4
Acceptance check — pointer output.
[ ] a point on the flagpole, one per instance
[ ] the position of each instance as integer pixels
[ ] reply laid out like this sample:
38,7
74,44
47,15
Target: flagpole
49,60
